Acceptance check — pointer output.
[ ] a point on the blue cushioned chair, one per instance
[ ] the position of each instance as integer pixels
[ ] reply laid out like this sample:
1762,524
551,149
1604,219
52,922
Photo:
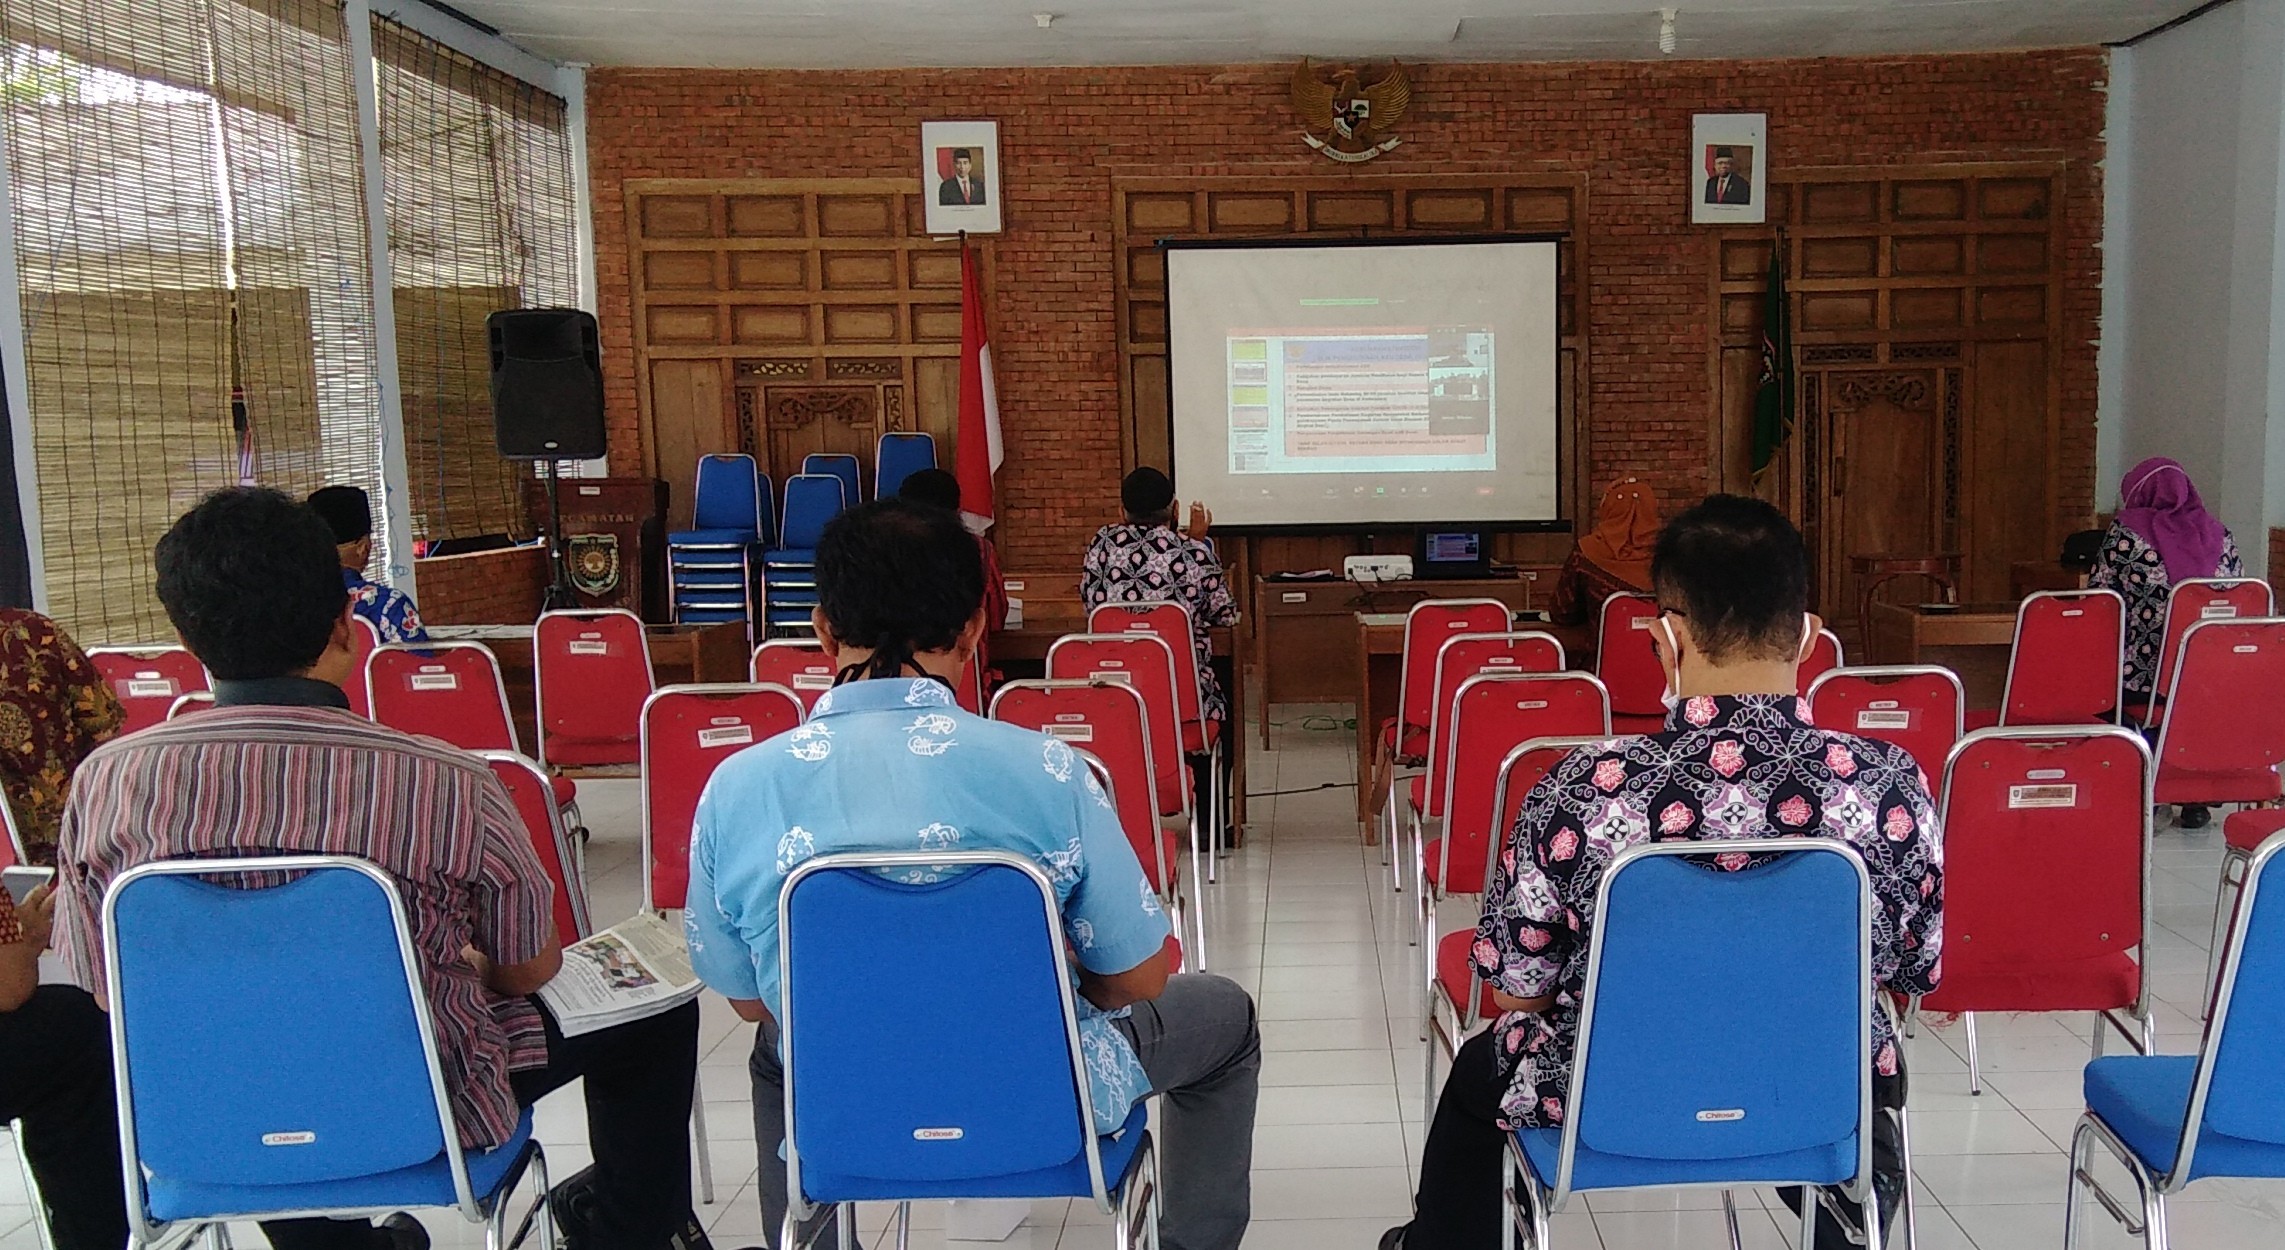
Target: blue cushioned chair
1000,1107
276,1057
1649,1112
2173,1119
711,564
841,465
789,570
898,457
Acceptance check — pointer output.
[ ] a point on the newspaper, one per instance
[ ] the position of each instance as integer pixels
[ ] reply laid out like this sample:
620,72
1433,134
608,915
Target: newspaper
634,969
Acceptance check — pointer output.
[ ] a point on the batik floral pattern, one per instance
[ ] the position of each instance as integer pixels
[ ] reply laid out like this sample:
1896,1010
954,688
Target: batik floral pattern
2129,565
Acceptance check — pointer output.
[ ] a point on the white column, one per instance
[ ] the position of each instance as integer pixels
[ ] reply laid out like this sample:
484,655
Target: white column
19,389
396,498
571,84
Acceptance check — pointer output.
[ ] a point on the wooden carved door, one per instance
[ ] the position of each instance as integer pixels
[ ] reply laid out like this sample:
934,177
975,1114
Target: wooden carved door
781,424
1889,470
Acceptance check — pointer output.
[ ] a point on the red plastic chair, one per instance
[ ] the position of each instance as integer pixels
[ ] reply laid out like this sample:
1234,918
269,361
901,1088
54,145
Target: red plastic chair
687,731
969,691
446,690
2063,668
363,641
534,796
1145,662
1491,712
1102,778
1173,624
1824,656
592,672
1457,1001
2223,734
148,680
798,664
2243,832
1628,665
2046,878
1108,721
2195,600
1917,707
1427,627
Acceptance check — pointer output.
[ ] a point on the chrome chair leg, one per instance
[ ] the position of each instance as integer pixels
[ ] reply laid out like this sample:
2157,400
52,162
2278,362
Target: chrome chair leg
1975,1073
2076,1158
699,1147
1908,1201
904,1226
1730,1218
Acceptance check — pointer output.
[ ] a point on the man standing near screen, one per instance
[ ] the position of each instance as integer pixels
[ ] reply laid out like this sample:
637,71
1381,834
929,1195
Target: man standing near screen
1144,560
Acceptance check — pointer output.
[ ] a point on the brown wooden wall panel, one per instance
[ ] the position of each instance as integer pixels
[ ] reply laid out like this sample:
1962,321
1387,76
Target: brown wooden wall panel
679,271
2011,253
677,217
1352,211
1451,209
1823,203
1744,259
1839,258
1241,211
1149,387
1147,323
1925,309
2016,305
769,270
1838,310
859,270
1147,213
683,325
872,215
1146,269
770,324
860,323
2016,198
2010,496
1539,208
1925,255
765,216
1741,314
1930,201
935,271
688,415
936,323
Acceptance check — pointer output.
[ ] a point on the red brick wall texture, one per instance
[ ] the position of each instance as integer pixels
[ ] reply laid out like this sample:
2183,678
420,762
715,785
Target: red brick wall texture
1066,133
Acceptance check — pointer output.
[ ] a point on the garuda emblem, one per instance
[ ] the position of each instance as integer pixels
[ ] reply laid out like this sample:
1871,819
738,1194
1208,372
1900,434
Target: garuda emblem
594,560
1356,119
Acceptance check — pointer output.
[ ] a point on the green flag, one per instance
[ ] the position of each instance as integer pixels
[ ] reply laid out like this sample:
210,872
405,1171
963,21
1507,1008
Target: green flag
1773,401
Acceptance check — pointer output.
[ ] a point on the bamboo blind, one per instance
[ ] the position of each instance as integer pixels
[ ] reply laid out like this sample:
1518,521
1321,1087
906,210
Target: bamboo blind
481,217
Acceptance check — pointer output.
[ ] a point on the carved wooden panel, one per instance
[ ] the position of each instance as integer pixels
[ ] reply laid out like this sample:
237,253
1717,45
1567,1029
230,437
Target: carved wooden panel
1944,274
783,317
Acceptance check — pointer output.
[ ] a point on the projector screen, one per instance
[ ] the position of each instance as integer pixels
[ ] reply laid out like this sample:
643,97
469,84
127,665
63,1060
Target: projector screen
1364,385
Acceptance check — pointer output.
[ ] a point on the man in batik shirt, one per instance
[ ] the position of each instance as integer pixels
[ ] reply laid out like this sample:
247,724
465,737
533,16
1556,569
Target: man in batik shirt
1738,758
1144,559
348,511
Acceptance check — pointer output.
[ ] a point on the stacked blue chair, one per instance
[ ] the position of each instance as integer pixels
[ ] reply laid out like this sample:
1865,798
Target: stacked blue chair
711,564
276,1058
840,465
2173,1119
1001,1109
1645,1114
789,570
898,457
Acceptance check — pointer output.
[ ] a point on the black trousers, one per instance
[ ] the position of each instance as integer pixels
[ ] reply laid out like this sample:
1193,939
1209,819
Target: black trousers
640,1077
1458,1206
55,1075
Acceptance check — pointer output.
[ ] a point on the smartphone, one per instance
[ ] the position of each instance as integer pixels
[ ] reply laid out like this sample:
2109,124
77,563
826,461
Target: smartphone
22,879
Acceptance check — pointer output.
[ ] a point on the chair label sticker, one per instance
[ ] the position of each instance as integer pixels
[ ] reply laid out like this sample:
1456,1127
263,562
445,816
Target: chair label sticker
813,681
1641,622
301,1138
161,688
1721,1115
435,681
726,736
2217,612
588,646
939,1134
1119,675
1882,718
2042,796
1070,733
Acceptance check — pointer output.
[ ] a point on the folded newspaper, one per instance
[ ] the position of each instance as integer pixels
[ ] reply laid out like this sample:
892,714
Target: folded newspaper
634,969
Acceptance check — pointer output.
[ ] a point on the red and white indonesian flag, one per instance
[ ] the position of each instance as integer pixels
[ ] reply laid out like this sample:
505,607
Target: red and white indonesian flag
979,452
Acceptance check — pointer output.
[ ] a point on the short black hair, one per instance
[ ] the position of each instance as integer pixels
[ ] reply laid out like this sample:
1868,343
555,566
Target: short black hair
347,510
898,578
1738,571
934,487
1146,493
962,154
250,579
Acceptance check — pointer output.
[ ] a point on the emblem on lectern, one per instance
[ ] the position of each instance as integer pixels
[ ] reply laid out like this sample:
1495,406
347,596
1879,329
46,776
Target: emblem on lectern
594,563
1356,117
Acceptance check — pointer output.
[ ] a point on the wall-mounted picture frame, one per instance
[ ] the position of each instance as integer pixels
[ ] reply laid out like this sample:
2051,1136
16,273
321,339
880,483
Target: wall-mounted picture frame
960,176
1729,169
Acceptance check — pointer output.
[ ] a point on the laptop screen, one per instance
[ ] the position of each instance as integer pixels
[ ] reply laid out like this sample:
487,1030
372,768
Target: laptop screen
1453,547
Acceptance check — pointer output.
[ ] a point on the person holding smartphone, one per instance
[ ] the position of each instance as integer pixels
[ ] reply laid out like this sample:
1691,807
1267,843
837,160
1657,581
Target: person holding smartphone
55,1076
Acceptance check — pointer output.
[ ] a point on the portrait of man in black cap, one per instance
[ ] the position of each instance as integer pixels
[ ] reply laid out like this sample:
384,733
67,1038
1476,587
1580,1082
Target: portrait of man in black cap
1731,181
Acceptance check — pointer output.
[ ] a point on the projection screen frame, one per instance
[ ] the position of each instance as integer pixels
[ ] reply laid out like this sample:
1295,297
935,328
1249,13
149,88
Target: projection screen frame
1562,523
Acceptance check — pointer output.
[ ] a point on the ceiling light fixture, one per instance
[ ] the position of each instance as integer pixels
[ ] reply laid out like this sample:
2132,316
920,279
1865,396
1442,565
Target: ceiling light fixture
1666,41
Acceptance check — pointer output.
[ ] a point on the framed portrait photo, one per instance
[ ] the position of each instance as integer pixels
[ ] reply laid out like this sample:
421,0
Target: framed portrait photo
960,176
1729,169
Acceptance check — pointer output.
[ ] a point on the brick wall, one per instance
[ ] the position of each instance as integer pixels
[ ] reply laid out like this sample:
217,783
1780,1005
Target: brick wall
484,588
1065,133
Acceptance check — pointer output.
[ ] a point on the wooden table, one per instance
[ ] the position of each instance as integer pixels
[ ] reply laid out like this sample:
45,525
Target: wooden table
1380,673
1971,640
679,654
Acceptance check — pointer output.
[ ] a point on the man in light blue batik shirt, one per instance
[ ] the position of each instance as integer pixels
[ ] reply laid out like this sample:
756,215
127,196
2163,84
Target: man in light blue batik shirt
887,761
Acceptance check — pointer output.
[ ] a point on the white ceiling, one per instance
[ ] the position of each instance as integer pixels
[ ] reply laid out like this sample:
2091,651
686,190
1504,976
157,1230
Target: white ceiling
824,34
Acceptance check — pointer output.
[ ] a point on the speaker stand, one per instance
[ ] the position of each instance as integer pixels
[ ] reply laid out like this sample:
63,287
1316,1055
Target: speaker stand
561,595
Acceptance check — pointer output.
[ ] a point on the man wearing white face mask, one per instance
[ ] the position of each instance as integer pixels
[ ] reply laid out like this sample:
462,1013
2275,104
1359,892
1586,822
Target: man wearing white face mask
1738,758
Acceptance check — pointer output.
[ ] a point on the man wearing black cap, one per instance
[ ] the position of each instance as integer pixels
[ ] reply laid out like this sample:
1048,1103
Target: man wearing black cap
348,511
1727,186
1144,560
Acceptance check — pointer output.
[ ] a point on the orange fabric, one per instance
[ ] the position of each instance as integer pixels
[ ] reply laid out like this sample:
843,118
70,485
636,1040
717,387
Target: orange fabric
1626,529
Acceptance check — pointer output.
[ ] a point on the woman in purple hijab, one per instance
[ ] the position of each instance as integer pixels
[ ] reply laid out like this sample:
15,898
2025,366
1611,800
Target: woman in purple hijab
2162,535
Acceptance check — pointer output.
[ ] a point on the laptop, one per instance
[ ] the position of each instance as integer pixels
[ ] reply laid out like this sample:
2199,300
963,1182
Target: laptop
1452,553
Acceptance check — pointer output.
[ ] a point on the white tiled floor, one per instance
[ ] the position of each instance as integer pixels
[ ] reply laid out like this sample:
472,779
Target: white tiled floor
1304,919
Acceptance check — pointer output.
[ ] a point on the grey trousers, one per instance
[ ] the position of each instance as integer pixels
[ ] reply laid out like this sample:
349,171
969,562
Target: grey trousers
1200,1044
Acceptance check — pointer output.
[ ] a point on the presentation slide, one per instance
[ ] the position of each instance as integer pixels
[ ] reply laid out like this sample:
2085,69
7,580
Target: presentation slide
1365,385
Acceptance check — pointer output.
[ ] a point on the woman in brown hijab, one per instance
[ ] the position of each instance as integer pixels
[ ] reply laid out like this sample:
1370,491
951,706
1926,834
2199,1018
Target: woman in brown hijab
1612,558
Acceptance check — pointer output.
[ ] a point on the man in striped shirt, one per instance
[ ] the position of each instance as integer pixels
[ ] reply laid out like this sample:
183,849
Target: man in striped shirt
281,766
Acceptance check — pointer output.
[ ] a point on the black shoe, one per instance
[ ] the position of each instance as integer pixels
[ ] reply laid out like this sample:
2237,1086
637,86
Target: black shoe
405,1232
2195,816
1393,1239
